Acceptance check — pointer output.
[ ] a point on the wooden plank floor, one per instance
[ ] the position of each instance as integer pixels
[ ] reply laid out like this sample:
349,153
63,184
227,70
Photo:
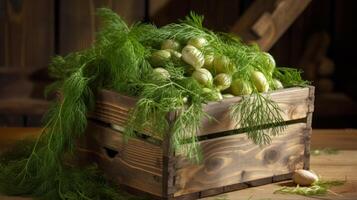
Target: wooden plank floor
341,166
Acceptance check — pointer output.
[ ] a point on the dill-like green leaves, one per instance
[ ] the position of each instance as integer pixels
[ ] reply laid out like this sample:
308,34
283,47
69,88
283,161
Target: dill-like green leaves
259,116
43,173
290,77
324,151
318,188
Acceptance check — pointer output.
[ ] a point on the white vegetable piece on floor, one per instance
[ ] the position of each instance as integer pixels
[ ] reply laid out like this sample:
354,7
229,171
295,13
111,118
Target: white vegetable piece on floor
304,177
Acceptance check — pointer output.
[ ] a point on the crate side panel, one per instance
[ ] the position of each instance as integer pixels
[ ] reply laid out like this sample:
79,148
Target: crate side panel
134,163
114,108
294,103
235,159
114,98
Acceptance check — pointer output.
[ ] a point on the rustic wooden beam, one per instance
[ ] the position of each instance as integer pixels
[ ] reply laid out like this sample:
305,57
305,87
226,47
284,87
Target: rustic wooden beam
23,106
78,22
265,21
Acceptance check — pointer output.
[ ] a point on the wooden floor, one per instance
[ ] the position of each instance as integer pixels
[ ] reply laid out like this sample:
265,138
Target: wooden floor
340,166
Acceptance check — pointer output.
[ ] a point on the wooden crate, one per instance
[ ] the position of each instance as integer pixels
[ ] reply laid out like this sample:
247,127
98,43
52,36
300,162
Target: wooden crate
231,162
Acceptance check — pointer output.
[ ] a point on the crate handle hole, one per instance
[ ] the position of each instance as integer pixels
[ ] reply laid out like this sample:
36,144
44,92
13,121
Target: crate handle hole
111,153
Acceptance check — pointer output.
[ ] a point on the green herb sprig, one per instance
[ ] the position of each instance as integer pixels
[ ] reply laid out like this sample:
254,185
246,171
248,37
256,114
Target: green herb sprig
318,188
259,116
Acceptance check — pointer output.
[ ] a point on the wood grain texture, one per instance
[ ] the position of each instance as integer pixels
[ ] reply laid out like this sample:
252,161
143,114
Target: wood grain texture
78,22
240,186
265,21
110,114
235,159
168,172
307,142
114,108
294,102
26,46
27,34
341,166
332,167
180,178
343,139
308,130
134,163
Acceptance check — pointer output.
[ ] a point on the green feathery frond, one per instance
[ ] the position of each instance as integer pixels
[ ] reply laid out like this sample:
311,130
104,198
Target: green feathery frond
290,77
318,188
194,20
259,116
185,128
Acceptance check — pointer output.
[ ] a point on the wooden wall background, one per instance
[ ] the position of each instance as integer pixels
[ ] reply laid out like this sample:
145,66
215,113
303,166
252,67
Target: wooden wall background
32,31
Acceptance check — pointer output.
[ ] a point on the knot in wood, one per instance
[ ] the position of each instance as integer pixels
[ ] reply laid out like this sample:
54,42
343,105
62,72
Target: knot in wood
214,164
271,156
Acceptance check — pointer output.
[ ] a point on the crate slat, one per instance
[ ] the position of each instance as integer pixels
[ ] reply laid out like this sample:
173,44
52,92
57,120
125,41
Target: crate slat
236,159
294,102
137,163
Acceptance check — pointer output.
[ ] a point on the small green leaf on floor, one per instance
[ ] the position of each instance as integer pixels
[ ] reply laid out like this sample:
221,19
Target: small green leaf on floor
324,151
318,188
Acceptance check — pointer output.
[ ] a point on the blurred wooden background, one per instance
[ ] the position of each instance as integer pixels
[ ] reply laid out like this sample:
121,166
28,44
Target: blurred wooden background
32,31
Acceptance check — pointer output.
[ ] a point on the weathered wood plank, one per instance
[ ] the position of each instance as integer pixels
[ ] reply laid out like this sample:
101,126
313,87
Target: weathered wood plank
26,46
116,99
27,31
116,116
308,130
78,22
265,21
294,102
134,163
169,161
324,165
235,159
